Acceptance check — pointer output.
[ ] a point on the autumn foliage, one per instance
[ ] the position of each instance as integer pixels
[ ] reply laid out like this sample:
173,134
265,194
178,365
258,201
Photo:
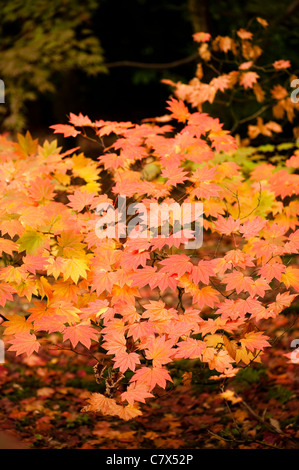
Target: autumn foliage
234,78
141,304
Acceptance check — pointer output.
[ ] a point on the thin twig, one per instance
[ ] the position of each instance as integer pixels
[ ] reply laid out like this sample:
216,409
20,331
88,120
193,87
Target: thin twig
144,65
239,441
261,420
258,203
74,351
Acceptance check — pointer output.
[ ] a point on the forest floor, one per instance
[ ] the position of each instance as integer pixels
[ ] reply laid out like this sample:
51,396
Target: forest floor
41,398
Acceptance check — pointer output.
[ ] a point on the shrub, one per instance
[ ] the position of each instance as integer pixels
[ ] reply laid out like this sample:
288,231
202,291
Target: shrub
138,302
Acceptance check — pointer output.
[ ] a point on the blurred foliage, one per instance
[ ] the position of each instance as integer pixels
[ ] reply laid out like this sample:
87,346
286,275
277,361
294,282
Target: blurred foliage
248,376
40,42
282,34
280,393
234,83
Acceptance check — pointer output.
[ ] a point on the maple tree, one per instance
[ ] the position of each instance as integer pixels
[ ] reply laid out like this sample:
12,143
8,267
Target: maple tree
232,78
138,305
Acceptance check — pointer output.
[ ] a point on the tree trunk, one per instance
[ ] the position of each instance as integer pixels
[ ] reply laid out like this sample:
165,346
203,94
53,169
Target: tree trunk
198,15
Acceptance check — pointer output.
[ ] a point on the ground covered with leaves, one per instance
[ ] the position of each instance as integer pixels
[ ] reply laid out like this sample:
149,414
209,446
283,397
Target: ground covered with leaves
42,397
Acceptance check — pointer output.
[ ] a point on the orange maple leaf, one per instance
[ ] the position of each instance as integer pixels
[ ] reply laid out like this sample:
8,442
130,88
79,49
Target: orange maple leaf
272,270
282,301
190,349
252,228
201,37
136,393
24,343
281,64
65,129
159,350
42,190
16,324
202,272
227,226
254,341
80,120
8,246
205,296
248,79
125,361
174,175
80,333
237,281
291,277
6,292
151,376
176,264
179,110
102,404
80,199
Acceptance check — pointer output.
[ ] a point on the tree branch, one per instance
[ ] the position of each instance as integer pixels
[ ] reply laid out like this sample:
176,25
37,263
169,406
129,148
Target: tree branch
144,65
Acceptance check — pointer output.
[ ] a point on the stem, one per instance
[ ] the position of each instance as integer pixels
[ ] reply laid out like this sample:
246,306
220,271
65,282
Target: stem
144,65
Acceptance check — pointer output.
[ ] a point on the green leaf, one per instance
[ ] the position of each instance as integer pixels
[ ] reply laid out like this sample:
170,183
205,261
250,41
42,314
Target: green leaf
31,242
151,171
266,148
285,146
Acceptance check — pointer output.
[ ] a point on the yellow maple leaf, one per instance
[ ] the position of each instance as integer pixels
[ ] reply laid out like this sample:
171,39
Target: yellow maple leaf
243,355
291,277
229,395
214,340
74,268
66,311
16,324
